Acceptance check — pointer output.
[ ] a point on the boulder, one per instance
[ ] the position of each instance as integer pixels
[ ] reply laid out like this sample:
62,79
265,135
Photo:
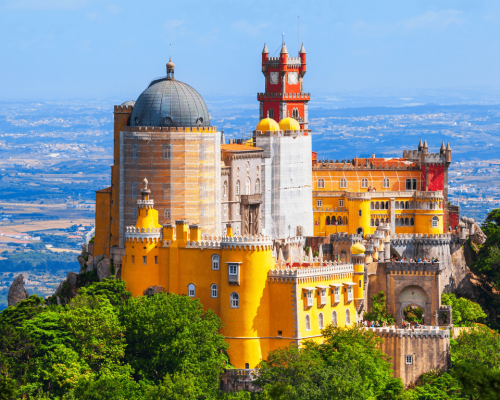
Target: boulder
103,269
81,261
84,249
479,236
150,291
71,278
90,263
17,292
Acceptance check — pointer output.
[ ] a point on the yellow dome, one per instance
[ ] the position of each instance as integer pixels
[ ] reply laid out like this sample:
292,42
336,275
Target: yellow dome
358,248
289,124
268,124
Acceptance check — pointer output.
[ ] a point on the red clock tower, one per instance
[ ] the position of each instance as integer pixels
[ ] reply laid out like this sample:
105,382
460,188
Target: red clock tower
283,96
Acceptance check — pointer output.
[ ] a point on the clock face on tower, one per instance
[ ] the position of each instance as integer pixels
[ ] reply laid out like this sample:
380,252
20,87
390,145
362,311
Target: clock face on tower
293,78
274,78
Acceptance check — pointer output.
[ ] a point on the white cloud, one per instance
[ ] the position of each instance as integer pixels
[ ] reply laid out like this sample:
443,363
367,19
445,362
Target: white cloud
432,20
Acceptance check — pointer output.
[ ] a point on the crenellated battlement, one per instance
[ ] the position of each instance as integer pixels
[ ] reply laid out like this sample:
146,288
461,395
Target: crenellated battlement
413,268
123,109
282,96
141,129
417,333
281,133
134,234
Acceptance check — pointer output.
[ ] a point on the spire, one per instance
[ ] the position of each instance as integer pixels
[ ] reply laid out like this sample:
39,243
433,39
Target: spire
448,148
425,144
302,49
283,49
442,147
420,145
265,51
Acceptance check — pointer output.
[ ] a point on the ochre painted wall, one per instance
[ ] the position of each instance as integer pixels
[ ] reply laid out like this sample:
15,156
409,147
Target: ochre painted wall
102,222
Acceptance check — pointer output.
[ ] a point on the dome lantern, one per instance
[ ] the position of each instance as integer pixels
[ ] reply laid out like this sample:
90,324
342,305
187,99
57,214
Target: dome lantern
170,69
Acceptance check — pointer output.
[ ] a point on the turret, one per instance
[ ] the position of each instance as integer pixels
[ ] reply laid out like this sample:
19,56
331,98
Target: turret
358,260
442,149
265,56
420,146
448,152
283,58
302,55
425,148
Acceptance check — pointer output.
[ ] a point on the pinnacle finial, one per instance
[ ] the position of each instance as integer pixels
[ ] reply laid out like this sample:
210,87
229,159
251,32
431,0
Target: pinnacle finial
302,49
265,51
420,143
448,146
425,144
442,146
283,49
145,184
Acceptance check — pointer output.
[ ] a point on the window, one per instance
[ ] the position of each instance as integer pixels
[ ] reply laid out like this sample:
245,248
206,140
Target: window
191,290
321,183
372,222
233,269
435,222
280,333
409,360
237,188
215,261
360,213
364,183
225,189
214,291
334,318
257,186
271,113
247,186
396,205
309,298
386,183
166,214
319,203
349,293
341,203
308,323
295,113
414,184
323,296
321,323
234,300
134,189
343,183
134,213
134,151
377,206
412,222
156,259
359,284
408,184
166,151
133,259
247,366
347,317
166,191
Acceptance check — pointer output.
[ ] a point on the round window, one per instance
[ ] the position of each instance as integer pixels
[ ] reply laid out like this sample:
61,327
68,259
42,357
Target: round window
168,121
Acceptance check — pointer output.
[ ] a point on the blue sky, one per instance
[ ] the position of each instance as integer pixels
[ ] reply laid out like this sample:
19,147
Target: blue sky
63,49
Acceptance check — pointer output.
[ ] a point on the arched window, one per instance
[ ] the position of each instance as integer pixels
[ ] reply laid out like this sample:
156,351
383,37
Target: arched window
308,323
214,291
327,221
191,290
407,205
372,205
386,205
377,222
333,220
225,189
134,189
237,188
271,113
372,222
435,222
215,261
407,221
412,222
397,205
364,182
334,318
166,214
257,186
321,183
134,213
347,317
234,300
402,205
295,113
343,183
321,323
247,186
386,183
377,206
134,151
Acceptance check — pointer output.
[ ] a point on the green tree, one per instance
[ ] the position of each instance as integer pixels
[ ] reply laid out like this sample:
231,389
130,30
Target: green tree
478,381
97,335
378,312
169,334
465,311
115,290
8,388
177,387
480,346
435,385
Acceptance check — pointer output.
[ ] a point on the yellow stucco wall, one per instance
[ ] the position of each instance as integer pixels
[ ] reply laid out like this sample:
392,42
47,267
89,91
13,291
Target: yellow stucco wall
102,222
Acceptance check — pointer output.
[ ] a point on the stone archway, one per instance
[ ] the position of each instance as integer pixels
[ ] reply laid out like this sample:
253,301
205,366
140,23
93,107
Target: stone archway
413,295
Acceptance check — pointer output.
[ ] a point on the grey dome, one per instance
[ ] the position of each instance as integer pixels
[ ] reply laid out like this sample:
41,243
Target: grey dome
170,103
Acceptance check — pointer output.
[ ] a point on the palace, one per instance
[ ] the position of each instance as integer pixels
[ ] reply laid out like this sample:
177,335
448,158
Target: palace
228,224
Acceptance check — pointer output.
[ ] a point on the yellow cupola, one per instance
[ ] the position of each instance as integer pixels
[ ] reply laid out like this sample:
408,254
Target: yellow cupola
357,249
289,124
267,124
